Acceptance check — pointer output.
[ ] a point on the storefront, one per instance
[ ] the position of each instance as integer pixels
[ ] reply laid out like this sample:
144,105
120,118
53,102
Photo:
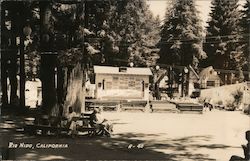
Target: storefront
119,83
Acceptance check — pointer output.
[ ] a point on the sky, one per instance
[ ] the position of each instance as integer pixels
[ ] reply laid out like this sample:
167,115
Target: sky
158,7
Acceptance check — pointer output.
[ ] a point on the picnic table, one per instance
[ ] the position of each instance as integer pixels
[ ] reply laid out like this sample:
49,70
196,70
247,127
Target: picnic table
82,122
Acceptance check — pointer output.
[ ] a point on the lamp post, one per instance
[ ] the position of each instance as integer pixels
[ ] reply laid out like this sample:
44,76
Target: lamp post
131,64
26,32
157,92
157,68
184,82
170,81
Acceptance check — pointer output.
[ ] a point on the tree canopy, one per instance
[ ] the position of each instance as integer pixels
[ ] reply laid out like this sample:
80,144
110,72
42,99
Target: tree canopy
245,23
223,39
181,35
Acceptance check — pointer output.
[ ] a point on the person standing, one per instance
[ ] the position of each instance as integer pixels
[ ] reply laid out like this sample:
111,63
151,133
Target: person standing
71,121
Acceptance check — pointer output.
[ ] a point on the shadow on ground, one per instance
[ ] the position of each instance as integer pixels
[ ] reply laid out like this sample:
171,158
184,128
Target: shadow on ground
125,146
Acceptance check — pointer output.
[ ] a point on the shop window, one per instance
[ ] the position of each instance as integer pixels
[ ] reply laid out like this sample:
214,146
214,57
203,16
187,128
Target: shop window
211,83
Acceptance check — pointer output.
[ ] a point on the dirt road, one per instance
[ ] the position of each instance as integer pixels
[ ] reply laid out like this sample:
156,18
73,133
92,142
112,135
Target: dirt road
215,135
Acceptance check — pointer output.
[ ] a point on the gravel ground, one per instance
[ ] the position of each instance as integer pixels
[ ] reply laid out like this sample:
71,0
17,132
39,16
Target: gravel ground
212,135
215,135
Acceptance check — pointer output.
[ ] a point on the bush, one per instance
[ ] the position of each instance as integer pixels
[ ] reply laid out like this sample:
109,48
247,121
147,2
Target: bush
238,96
230,106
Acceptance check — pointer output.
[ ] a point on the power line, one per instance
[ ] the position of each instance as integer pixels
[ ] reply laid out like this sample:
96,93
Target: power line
181,67
189,41
212,42
211,37
228,71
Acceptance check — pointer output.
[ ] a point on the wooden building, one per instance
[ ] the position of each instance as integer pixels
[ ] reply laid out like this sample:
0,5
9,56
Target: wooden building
193,83
209,78
121,83
189,87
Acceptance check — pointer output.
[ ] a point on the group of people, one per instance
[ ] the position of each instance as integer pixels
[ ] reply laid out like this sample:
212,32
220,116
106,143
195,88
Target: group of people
102,125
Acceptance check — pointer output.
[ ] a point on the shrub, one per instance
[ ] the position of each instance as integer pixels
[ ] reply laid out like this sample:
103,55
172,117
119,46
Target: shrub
230,106
238,96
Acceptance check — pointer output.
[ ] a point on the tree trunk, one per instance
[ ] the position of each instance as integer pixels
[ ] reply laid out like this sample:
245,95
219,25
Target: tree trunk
4,80
13,82
22,71
3,77
13,61
49,95
75,96
9,56
248,58
48,63
60,80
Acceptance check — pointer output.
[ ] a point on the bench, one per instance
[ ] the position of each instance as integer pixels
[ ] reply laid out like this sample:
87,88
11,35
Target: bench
189,107
102,105
134,105
162,106
44,130
110,107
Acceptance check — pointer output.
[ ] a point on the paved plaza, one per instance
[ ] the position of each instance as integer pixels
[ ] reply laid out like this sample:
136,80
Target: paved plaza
215,135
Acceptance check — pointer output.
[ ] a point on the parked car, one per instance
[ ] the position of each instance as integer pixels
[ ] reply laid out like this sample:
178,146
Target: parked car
219,106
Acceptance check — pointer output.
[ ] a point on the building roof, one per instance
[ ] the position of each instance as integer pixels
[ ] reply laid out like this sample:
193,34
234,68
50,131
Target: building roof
195,73
206,71
209,73
122,70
